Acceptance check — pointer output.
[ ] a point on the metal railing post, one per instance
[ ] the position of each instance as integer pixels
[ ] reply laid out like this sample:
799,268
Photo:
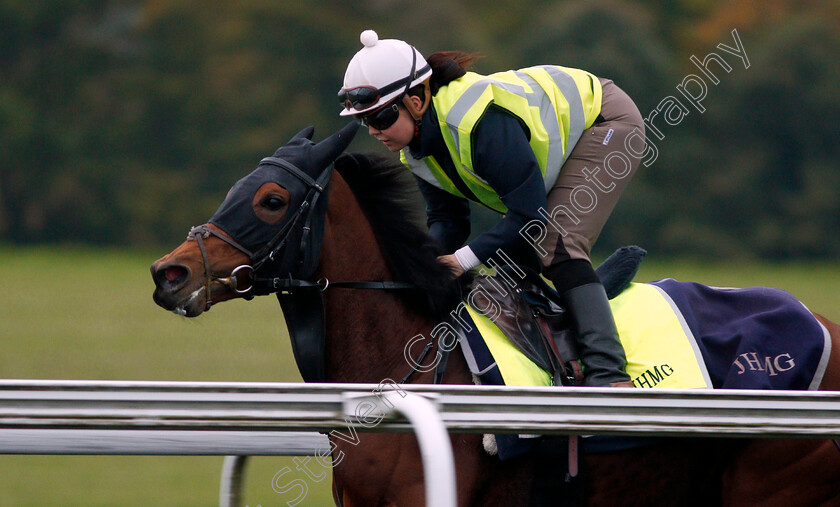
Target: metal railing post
233,477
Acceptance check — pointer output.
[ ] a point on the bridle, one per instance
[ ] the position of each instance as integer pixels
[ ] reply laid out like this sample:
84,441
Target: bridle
200,233
242,279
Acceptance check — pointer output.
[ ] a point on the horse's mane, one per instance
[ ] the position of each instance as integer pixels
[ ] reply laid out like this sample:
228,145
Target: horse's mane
388,195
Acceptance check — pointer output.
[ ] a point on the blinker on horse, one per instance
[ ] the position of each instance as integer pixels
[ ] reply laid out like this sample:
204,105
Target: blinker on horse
292,231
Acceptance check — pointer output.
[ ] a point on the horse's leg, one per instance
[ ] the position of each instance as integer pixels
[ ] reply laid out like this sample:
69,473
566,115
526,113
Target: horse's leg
791,471
387,470
380,470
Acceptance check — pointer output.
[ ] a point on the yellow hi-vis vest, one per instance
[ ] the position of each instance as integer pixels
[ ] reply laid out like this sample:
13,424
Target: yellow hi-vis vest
556,104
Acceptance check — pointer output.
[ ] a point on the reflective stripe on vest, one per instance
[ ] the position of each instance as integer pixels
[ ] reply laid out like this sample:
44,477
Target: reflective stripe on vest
427,169
556,104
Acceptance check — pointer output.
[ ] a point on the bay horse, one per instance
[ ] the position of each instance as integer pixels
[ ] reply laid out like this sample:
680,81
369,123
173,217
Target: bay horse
284,226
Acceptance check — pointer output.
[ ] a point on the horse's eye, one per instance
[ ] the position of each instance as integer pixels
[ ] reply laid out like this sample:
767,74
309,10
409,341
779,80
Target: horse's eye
273,203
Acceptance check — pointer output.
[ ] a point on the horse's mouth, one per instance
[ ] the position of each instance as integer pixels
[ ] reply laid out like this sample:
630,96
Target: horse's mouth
177,291
192,306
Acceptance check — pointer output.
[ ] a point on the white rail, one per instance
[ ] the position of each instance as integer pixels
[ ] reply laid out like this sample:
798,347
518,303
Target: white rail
162,442
275,407
208,418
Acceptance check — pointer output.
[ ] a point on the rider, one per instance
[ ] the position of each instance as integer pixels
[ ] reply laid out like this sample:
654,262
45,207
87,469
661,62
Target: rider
527,143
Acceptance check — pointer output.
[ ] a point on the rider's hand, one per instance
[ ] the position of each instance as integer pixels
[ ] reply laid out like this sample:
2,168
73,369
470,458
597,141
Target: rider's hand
452,263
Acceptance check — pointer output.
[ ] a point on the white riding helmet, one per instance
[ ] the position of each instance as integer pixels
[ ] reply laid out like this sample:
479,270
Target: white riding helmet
380,72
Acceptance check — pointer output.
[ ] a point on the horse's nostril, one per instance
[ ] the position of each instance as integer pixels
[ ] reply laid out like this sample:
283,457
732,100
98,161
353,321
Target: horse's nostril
170,277
174,273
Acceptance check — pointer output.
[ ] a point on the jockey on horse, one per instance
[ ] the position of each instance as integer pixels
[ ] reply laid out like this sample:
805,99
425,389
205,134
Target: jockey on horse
525,143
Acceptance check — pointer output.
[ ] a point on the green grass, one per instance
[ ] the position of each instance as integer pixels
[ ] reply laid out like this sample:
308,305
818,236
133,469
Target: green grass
817,285
70,313
88,314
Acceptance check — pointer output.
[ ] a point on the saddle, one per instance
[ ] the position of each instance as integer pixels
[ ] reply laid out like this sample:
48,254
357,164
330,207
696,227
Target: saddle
532,316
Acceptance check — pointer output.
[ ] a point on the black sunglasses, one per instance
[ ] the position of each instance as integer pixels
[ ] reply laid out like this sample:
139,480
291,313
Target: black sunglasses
381,119
362,97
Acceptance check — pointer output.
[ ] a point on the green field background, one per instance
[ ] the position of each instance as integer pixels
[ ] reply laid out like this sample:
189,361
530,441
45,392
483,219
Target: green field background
68,313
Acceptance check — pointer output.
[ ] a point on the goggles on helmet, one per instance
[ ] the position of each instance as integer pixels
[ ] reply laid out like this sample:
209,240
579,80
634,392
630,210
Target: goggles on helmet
363,97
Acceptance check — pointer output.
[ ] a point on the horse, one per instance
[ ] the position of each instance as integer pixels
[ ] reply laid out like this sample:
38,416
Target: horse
355,239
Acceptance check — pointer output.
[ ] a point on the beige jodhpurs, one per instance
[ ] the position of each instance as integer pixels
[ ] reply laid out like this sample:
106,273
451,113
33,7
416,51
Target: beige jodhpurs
597,171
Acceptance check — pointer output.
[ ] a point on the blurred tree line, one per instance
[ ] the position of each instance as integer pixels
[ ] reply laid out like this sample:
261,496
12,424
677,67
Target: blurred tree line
125,122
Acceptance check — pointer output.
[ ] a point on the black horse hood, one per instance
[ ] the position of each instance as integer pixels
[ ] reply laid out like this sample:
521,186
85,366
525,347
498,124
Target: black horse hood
303,168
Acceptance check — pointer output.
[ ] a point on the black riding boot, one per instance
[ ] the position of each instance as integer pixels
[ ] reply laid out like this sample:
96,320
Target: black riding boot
600,351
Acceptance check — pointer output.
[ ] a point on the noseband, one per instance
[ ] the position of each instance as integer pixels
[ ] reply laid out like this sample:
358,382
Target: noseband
198,234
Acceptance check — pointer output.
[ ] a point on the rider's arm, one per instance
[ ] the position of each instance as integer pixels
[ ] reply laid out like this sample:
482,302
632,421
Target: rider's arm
448,217
503,157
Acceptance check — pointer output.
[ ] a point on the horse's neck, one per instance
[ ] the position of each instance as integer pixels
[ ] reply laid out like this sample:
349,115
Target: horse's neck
366,329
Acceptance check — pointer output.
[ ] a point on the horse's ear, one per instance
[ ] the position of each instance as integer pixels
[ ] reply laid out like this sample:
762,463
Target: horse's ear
325,152
304,137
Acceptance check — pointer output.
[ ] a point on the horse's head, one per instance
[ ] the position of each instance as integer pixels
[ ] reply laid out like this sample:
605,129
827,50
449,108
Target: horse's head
269,225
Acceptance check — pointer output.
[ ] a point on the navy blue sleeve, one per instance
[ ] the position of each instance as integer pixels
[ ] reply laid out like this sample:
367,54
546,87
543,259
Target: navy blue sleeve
448,217
503,157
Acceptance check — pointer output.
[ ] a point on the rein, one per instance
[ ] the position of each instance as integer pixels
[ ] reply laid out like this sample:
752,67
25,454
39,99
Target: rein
234,282
290,284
